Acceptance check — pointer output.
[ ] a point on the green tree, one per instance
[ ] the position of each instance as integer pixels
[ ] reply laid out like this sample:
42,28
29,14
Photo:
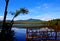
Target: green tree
20,11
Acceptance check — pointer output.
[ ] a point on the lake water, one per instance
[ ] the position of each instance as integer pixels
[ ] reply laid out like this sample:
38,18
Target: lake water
20,34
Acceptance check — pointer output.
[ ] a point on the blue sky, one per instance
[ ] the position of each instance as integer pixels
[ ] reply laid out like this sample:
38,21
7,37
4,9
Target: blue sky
38,9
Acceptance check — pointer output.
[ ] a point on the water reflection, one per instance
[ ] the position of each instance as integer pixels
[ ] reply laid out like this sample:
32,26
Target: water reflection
20,34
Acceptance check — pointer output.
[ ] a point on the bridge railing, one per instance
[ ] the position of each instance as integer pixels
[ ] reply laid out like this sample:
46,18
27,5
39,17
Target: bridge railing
36,34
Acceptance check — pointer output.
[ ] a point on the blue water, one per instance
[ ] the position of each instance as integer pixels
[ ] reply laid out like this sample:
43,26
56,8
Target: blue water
20,34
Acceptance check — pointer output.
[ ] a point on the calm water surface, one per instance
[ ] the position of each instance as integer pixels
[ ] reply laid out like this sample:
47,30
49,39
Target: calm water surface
20,34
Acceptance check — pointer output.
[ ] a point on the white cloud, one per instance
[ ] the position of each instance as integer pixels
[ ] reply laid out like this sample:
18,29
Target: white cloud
1,17
45,17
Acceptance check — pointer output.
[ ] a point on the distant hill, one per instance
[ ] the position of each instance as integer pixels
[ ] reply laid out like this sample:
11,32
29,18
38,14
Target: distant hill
35,21
29,21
